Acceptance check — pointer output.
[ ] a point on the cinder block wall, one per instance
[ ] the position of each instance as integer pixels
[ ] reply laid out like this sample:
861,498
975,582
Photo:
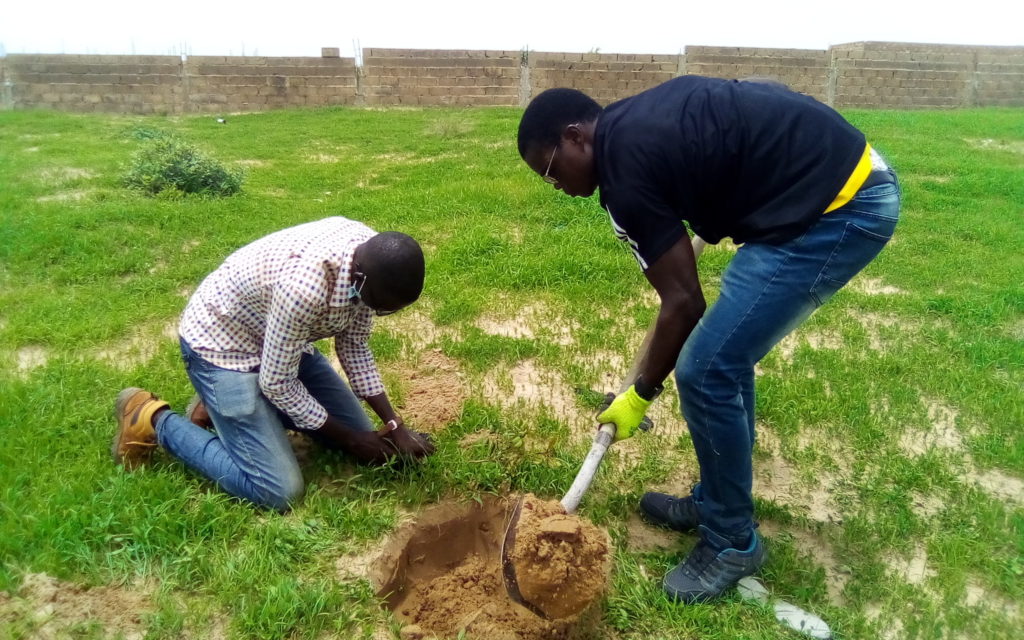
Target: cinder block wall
224,84
442,77
120,84
804,70
893,74
860,74
606,77
999,76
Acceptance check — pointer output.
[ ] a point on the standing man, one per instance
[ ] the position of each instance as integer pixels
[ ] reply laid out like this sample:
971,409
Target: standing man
778,172
246,339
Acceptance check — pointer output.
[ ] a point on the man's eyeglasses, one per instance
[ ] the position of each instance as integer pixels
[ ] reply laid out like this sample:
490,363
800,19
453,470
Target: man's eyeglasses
548,178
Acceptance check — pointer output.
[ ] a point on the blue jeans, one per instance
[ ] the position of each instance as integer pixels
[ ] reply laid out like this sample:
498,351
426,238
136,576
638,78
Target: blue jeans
767,291
249,456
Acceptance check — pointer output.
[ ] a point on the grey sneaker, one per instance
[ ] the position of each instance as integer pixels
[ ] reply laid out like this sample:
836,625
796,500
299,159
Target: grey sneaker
664,510
712,567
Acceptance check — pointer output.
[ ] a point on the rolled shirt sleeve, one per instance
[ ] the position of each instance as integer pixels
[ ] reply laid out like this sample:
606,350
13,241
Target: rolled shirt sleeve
353,350
284,342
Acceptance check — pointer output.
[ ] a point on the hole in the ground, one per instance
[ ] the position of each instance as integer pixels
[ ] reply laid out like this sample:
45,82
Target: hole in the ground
441,576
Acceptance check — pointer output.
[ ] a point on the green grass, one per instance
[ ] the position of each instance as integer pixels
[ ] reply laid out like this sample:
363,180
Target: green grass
88,268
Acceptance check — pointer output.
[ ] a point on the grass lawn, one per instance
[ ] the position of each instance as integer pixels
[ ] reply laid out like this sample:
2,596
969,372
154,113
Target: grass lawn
890,462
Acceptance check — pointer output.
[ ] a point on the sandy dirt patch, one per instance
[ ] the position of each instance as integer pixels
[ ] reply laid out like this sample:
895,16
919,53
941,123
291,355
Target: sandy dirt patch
816,340
643,537
53,608
60,175
776,479
30,357
821,552
999,485
913,569
942,432
434,392
75,195
139,347
440,574
991,144
531,321
874,287
535,387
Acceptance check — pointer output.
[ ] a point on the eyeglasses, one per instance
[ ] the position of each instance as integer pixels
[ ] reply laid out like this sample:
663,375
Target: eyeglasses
358,288
548,178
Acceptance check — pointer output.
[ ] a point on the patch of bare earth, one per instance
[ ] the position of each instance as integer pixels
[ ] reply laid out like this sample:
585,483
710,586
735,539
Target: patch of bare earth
999,485
991,144
874,323
75,195
643,537
61,175
531,321
814,339
52,608
820,551
434,391
888,627
416,329
976,595
874,287
942,432
30,357
912,569
251,163
322,158
139,347
778,480
529,385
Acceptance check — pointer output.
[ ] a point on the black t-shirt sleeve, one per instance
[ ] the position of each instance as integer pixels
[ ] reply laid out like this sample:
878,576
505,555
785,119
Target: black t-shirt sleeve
643,220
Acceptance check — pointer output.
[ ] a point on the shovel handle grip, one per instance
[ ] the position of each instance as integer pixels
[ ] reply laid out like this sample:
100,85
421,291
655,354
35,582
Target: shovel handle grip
602,440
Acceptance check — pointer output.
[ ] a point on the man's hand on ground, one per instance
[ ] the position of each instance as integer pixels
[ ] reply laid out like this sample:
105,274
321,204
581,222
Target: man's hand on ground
369,447
409,442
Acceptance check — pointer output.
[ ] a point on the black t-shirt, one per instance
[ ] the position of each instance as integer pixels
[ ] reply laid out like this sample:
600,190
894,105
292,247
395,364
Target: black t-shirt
745,160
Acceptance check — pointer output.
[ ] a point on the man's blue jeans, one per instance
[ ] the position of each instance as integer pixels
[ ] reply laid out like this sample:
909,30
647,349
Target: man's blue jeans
249,456
767,291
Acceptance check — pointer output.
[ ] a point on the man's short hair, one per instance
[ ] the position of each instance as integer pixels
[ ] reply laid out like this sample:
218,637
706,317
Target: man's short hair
393,262
550,113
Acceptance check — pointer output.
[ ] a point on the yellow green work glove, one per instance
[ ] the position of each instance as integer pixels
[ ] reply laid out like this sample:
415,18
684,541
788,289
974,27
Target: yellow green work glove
626,411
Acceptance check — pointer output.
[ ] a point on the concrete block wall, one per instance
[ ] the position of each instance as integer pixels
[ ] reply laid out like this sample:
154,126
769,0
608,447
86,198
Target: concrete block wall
440,77
902,75
118,84
999,76
606,77
804,70
217,84
860,74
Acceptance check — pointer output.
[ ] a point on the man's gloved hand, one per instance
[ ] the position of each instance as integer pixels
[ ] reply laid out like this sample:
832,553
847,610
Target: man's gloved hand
627,412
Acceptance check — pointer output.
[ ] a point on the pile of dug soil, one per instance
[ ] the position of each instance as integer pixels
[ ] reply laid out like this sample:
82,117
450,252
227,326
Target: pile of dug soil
561,560
441,574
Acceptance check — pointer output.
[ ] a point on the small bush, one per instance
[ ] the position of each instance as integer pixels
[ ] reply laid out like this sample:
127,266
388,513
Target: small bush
169,163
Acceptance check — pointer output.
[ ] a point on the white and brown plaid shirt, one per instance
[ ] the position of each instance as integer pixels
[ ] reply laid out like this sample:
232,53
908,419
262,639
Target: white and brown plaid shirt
270,300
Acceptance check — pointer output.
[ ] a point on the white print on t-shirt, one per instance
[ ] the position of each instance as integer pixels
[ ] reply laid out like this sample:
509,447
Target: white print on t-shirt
621,234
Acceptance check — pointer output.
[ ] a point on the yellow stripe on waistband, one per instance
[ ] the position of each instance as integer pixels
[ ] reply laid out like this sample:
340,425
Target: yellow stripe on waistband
857,178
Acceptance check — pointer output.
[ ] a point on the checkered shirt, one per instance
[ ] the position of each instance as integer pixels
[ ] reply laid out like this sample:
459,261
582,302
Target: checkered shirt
270,300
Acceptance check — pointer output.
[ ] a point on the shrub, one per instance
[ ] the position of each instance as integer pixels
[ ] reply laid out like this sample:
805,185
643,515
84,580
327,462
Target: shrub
168,163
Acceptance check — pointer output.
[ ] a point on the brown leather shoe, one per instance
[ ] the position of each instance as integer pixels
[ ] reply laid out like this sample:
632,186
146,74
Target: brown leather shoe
135,438
197,414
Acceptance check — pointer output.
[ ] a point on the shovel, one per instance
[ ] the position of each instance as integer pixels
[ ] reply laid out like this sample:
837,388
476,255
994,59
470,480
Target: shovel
602,440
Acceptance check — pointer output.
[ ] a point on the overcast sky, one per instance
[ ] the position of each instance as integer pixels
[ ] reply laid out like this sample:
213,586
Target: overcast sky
302,27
